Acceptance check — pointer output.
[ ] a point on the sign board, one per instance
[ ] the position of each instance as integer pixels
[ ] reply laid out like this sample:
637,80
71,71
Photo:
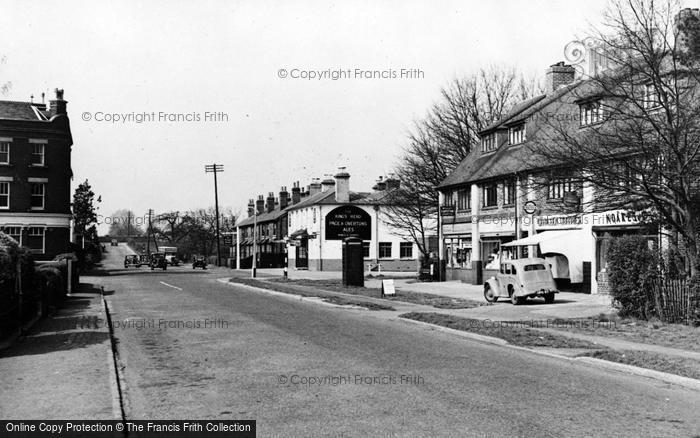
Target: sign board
447,210
228,239
388,287
348,221
530,207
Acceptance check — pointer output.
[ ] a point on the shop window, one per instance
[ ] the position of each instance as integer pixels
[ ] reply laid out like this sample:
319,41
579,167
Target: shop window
464,199
459,253
490,195
406,250
384,250
490,253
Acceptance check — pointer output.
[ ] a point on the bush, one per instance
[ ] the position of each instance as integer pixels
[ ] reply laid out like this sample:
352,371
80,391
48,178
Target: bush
631,268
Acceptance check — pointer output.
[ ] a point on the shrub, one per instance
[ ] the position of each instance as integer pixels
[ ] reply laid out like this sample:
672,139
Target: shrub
632,265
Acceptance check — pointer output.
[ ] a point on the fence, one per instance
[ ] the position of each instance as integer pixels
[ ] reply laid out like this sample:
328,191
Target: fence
674,301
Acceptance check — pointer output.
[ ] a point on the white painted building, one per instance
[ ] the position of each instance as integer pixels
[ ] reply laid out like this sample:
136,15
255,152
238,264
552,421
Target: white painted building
330,212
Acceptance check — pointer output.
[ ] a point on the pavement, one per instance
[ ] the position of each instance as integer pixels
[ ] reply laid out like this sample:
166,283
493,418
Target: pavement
63,367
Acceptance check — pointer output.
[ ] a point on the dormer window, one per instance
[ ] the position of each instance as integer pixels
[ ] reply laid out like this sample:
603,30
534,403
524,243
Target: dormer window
591,113
488,142
516,134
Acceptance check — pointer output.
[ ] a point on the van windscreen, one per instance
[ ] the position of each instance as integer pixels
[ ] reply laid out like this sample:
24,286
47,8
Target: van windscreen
534,267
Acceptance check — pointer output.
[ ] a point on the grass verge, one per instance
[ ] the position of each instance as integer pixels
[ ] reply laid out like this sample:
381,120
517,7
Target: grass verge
326,296
514,335
437,301
647,332
680,366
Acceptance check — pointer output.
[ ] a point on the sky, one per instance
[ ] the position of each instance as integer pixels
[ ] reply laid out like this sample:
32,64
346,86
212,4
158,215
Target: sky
228,82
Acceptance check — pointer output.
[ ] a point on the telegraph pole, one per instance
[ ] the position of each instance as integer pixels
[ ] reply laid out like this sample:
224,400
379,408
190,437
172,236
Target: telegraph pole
216,168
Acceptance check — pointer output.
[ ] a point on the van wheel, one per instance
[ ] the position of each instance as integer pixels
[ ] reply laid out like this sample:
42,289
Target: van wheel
549,298
513,299
489,294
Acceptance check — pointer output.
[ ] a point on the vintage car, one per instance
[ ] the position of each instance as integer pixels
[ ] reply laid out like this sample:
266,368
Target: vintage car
132,260
158,261
114,242
520,279
199,262
144,260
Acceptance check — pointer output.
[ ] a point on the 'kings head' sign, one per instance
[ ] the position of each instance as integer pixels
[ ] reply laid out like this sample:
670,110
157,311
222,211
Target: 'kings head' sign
348,221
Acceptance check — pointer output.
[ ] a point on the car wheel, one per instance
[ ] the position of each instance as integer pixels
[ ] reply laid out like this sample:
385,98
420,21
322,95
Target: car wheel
489,294
549,298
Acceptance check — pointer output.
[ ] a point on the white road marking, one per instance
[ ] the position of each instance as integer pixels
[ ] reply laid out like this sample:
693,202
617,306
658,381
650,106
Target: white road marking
170,285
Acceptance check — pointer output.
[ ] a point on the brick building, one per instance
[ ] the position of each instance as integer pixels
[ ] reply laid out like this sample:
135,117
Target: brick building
268,217
35,175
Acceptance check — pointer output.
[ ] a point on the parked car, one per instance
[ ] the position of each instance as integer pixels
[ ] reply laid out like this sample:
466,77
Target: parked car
158,261
172,260
114,242
144,260
199,262
520,279
132,260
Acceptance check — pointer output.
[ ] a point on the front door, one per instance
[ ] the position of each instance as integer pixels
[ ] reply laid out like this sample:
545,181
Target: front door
302,254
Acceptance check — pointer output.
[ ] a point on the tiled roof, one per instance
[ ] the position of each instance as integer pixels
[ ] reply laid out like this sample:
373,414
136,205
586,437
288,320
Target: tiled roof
264,217
507,159
517,109
10,110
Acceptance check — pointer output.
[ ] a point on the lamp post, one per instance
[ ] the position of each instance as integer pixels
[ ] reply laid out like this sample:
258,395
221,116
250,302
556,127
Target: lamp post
216,168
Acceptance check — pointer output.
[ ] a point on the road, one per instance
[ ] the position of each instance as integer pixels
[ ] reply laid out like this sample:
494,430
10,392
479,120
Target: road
258,354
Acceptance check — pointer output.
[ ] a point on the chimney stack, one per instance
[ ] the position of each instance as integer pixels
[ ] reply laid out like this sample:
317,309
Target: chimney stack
58,105
251,207
260,204
687,31
284,198
270,205
380,185
296,193
327,184
314,187
342,186
559,75
391,182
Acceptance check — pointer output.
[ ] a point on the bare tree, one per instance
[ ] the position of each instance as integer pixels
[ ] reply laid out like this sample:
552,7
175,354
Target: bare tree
124,223
639,144
7,85
443,138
